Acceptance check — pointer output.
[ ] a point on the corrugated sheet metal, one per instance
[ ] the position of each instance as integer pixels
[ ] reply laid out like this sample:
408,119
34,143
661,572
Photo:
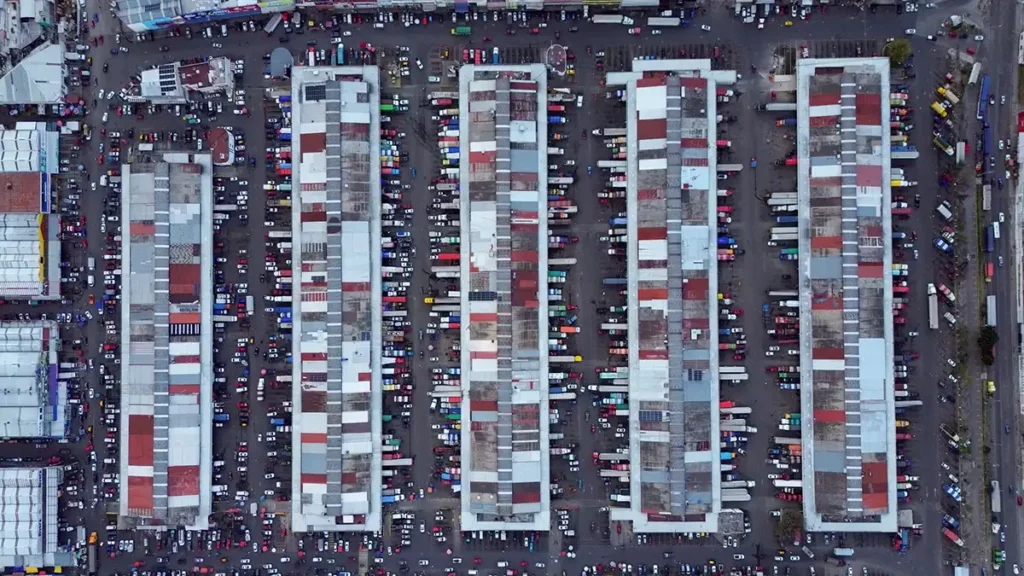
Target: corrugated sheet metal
848,317
336,176
673,374
501,244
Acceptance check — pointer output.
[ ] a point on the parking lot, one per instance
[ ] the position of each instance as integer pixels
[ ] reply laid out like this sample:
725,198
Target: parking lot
253,246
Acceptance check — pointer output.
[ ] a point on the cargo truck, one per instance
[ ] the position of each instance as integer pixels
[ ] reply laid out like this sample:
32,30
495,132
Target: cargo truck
948,95
933,307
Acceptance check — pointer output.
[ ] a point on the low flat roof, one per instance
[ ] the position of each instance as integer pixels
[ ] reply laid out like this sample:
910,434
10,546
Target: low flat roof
166,341
29,518
843,185
35,401
672,270
337,457
504,373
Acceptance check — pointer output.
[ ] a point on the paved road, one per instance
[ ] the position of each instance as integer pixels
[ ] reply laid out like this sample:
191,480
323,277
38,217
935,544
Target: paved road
1005,26
747,284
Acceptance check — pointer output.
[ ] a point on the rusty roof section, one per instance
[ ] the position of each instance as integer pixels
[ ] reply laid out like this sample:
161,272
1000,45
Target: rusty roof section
19,192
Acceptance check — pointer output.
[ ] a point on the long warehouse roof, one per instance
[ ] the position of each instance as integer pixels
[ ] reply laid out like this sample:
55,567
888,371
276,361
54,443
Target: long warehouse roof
504,302
673,315
166,345
846,295
336,392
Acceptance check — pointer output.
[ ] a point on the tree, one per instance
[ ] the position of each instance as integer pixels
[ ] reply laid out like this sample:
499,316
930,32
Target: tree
790,521
898,51
987,341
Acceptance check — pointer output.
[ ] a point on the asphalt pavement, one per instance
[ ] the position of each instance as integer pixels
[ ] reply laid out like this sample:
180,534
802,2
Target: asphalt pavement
1006,21
754,135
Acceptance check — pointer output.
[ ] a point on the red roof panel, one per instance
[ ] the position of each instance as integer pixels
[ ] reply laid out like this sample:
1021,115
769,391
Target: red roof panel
314,142
830,99
696,289
183,480
651,129
140,493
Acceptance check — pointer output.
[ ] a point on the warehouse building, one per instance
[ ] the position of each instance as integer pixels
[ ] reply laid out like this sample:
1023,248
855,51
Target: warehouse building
848,428
30,251
30,521
35,397
336,452
167,342
672,273
504,333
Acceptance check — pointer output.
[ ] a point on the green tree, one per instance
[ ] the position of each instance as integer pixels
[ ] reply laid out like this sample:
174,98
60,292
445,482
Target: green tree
987,341
898,51
791,520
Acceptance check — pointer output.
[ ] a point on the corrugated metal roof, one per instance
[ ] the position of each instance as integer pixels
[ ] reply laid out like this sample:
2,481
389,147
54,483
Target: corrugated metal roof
336,178
161,348
29,519
502,368
36,79
35,403
846,315
673,368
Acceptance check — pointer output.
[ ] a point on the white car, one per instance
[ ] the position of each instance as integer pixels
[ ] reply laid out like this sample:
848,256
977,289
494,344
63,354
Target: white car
346,33
1002,217
910,31
105,116
705,27
419,64
424,562
979,38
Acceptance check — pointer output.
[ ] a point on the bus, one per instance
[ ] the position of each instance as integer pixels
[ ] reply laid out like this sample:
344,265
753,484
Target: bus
387,107
462,31
983,98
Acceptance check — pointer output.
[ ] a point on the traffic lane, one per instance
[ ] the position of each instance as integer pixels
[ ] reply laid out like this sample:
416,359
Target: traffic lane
1007,406
838,23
